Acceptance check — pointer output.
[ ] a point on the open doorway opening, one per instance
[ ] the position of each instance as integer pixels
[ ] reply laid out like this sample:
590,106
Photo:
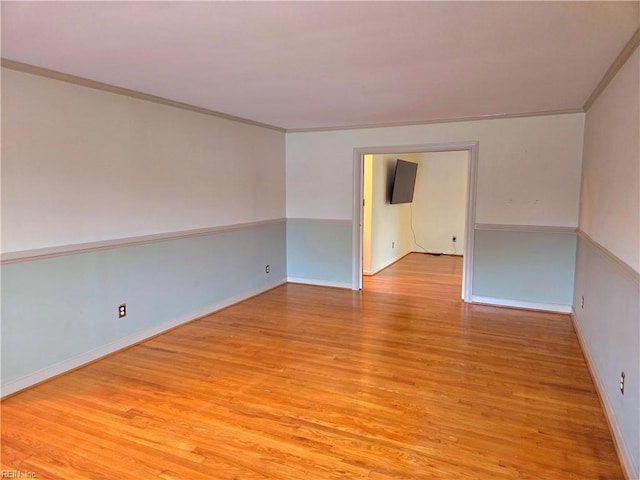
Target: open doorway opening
438,221
414,205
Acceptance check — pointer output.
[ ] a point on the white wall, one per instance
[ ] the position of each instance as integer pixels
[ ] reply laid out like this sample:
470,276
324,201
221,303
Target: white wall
82,165
528,174
390,224
440,201
610,198
439,206
608,265
528,168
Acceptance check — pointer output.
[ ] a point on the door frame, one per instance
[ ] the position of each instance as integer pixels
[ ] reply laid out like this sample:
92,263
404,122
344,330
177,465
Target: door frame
470,214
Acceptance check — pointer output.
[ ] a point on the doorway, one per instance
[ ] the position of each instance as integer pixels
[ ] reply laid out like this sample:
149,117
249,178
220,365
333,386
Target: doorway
433,241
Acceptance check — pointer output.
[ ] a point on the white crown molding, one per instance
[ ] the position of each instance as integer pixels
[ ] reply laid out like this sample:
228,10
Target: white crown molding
497,116
105,87
615,67
65,77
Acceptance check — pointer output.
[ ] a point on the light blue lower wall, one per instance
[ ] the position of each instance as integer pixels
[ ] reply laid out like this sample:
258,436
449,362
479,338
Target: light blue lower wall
527,267
62,308
319,252
609,329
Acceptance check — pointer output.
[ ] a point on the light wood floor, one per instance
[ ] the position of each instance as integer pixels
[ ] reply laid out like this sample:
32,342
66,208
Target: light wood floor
400,381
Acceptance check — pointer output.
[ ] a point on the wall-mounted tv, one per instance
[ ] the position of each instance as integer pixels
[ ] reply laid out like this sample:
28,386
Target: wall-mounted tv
404,182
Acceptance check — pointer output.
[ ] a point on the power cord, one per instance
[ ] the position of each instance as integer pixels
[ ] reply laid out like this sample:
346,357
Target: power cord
413,231
455,250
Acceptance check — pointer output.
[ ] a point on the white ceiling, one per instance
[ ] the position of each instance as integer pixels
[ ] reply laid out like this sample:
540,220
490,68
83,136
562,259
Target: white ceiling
302,65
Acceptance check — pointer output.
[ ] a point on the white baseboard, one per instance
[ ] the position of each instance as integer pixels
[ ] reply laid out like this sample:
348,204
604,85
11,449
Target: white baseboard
389,262
623,452
319,283
438,254
501,302
72,363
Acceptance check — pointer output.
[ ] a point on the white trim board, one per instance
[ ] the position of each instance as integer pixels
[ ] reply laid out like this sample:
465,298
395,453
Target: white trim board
65,366
318,283
105,87
63,250
502,302
623,267
335,221
388,263
613,70
438,254
497,116
470,220
369,273
525,228
618,439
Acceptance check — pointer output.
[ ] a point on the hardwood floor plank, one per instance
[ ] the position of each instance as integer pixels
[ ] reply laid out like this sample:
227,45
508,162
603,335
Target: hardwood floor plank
399,381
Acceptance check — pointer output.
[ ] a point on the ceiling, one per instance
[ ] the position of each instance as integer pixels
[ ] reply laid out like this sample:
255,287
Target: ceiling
299,65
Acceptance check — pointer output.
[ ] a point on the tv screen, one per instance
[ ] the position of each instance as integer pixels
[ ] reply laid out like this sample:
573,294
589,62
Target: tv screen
404,182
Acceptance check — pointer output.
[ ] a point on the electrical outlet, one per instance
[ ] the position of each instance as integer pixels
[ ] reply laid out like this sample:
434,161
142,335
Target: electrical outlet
122,310
622,383
267,269
582,302
453,239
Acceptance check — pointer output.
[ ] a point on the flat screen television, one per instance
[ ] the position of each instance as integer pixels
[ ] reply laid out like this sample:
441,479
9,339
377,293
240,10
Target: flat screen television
404,182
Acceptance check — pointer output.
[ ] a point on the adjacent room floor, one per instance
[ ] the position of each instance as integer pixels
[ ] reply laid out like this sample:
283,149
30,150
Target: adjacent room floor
399,381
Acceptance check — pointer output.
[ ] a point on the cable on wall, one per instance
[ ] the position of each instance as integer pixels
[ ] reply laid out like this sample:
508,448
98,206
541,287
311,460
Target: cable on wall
414,232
